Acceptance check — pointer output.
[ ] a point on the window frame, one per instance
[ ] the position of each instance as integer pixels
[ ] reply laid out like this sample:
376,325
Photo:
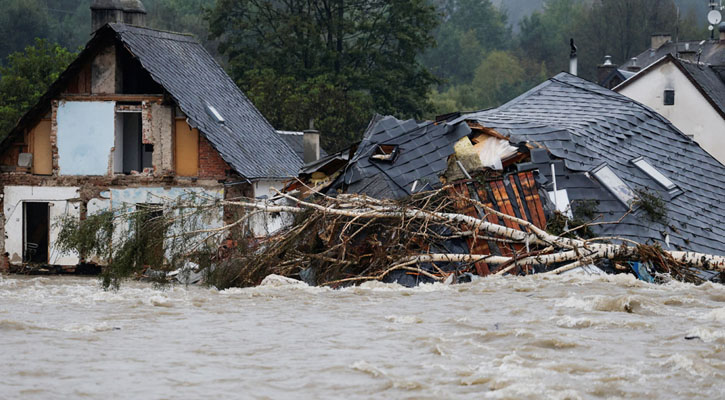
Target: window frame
673,188
604,181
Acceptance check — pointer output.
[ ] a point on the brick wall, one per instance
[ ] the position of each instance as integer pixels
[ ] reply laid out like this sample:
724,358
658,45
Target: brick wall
211,164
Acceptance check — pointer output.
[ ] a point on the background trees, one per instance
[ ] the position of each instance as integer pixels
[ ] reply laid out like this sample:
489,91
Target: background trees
335,61
339,61
25,77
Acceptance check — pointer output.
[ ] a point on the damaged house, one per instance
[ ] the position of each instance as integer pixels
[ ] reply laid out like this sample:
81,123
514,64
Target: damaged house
567,145
141,115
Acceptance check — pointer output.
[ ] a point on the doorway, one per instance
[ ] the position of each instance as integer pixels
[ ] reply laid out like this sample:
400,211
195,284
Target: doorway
36,232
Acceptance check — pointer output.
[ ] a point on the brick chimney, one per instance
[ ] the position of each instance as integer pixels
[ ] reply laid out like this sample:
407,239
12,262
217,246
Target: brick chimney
722,32
605,69
659,39
130,12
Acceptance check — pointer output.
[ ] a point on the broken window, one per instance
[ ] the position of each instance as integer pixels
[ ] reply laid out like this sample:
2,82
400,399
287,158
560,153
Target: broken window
385,152
615,184
131,154
670,97
653,173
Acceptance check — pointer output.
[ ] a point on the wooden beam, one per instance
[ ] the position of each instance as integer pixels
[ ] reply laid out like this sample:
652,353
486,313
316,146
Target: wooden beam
157,98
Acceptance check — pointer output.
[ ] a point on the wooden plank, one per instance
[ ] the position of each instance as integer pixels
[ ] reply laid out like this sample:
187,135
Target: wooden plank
186,149
533,200
518,195
41,149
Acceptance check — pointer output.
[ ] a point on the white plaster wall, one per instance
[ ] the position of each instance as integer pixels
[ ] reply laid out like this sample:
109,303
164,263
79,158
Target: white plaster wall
125,200
692,113
59,205
265,224
85,136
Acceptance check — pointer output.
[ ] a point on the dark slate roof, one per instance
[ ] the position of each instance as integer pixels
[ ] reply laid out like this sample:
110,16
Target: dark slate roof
193,78
295,140
584,125
709,82
423,151
713,52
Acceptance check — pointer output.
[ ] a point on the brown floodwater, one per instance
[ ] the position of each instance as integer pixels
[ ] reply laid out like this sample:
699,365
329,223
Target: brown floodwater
569,337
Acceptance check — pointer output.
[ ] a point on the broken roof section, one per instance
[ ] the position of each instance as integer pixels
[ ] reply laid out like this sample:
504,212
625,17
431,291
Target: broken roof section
398,158
585,126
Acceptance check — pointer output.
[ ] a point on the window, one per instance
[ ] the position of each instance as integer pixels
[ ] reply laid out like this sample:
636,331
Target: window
669,97
615,184
653,173
385,152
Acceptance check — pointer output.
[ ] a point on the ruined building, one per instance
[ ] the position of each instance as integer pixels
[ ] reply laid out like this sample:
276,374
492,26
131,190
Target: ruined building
139,116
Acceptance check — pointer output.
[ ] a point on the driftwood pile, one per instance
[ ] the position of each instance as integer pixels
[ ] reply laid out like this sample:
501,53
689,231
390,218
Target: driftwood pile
349,239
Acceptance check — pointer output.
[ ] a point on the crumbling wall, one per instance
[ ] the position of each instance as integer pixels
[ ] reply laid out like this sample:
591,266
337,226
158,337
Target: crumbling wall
105,73
62,201
161,126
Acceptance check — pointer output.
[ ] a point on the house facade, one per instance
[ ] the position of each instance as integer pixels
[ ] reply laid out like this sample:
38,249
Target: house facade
690,95
140,117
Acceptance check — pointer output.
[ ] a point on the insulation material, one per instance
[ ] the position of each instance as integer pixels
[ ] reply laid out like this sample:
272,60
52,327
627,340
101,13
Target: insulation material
58,200
491,151
466,154
78,121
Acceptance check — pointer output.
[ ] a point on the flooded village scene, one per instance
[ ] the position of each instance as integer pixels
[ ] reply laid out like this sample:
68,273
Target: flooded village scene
401,199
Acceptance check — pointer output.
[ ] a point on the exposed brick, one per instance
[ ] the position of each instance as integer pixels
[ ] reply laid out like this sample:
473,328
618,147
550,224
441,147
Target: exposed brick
211,163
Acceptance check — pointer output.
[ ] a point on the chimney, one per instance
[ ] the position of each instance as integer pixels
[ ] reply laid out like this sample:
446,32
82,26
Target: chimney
573,60
722,32
659,39
311,144
130,12
605,69
634,67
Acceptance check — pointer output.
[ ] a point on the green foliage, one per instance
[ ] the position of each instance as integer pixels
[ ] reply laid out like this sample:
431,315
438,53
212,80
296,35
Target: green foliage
584,212
361,54
654,207
26,76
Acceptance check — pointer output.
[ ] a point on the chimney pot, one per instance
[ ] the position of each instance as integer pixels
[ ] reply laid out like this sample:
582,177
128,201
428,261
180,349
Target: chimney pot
130,12
311,145
659,39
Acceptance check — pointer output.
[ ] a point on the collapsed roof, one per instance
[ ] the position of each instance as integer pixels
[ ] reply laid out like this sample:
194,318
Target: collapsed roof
585,127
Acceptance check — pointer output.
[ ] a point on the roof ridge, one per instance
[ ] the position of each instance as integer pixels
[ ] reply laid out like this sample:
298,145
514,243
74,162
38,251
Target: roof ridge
140,30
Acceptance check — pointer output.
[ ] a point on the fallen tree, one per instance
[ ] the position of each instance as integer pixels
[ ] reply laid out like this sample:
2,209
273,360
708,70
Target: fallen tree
353,238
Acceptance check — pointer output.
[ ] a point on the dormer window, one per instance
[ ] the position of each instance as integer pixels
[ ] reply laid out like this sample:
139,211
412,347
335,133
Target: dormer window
653,173
669,97
385,152
606,176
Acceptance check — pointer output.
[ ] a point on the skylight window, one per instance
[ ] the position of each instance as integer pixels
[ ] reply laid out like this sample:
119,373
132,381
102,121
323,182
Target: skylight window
615,184
215,114
653,173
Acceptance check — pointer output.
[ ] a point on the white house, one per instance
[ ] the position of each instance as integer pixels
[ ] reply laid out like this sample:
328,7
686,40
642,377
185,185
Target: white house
690,95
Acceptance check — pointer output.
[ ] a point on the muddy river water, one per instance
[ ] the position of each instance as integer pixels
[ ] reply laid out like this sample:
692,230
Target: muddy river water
536,337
